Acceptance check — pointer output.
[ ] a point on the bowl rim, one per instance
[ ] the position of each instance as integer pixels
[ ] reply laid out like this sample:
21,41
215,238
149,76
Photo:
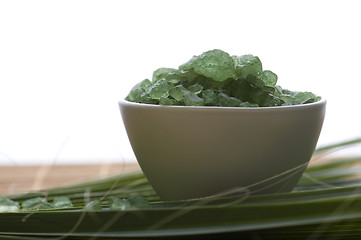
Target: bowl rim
293,107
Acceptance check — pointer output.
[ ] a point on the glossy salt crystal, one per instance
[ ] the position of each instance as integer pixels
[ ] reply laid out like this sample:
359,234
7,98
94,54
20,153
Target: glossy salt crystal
161,73
62,202
196,88
247,65
159,89
209,97
116,203
139,202
136,92
191,99
215,64
177,92
268,77
8,205
93,206
167,101
36,203
227,101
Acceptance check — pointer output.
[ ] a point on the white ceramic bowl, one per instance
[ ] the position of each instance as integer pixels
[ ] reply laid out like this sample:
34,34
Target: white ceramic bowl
194,152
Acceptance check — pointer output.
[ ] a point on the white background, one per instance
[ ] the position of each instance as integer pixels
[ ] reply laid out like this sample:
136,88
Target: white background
65,64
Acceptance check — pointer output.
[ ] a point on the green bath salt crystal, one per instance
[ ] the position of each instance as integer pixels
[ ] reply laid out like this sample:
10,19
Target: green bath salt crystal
36,204
192,99
268,78
62,202
8,205
164,73
138,202
116,203
159,89
247,65
215,64
93,206
137,91
227,101
177,92
209,97
196,88
132,203
167,101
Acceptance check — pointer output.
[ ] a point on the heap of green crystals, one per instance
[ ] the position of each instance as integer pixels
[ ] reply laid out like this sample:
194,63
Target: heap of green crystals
215,78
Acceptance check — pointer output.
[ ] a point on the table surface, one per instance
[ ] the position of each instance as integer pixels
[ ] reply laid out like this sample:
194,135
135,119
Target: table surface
21,179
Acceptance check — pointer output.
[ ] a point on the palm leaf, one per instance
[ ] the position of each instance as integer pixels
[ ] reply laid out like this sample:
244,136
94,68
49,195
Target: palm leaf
326,203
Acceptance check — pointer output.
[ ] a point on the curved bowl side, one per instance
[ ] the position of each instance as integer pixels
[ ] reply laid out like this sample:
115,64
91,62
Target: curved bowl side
192,152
